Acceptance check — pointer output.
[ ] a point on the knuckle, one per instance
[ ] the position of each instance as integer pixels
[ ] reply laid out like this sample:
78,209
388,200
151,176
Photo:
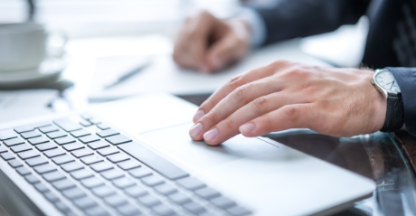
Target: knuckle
240,93
260,104
292,112
212,117
234,82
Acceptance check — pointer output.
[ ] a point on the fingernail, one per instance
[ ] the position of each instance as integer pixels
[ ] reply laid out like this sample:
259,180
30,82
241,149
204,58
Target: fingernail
210,135
196,130
198,115
247,128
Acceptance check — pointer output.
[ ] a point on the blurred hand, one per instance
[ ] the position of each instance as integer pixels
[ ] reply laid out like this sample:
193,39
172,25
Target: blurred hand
284,95
208,44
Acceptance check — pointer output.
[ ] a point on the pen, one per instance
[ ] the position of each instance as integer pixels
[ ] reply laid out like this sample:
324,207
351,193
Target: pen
125,76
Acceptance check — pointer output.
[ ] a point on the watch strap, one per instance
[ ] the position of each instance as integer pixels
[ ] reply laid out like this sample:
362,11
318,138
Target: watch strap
394,114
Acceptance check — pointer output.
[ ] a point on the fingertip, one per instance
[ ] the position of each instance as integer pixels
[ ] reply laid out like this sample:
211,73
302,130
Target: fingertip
247,129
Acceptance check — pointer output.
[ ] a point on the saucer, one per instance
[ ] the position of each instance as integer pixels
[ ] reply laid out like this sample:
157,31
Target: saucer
48,71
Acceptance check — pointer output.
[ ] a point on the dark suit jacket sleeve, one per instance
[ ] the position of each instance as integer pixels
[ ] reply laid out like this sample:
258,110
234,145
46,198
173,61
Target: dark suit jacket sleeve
299,18
406,78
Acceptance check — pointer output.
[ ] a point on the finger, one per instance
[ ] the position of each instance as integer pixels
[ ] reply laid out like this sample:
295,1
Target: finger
229,127
224,52
236,82
234,101
290,116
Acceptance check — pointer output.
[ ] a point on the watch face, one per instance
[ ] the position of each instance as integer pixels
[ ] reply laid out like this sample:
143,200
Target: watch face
386,80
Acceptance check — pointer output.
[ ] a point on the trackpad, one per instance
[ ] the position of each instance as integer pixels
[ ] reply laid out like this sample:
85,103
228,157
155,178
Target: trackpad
175,143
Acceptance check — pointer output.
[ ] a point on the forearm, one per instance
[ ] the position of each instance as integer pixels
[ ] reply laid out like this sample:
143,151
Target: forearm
290,19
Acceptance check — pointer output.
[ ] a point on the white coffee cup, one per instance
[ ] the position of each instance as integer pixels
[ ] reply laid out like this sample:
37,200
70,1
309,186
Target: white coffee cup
23,46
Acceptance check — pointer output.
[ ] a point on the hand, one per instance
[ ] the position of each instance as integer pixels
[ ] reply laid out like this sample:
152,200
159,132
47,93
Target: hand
284,95
208,44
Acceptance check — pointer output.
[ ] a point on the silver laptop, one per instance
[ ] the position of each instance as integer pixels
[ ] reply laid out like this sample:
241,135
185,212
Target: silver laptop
135,157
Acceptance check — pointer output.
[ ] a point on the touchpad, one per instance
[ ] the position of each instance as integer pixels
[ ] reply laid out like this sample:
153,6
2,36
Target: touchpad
176,143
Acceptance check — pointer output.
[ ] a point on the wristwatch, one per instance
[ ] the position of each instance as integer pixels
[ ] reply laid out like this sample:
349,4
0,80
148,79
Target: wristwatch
385,82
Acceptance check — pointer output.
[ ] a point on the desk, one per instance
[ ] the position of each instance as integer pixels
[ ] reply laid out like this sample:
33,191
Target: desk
378,156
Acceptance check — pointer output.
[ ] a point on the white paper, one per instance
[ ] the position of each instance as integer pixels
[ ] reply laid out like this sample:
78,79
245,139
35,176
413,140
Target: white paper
21,104
165,76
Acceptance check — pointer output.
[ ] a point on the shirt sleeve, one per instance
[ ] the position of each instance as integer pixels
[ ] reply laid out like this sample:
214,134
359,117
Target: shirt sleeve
256,23
406,79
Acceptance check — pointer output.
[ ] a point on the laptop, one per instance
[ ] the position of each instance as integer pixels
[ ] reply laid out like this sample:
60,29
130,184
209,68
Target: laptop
135,157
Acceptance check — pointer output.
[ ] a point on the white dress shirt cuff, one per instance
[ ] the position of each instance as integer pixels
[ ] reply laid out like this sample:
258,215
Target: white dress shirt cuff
257,26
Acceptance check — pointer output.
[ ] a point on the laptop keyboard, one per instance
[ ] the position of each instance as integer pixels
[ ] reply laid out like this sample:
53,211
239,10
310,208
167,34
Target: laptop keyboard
83,165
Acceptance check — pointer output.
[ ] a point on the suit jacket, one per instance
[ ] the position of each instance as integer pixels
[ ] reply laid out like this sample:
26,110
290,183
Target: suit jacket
299,18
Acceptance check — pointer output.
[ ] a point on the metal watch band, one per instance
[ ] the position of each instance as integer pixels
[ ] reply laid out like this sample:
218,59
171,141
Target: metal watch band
394,114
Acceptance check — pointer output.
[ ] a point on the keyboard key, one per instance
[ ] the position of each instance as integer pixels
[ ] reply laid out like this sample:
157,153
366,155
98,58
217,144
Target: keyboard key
69,167
85,123
194,207
20,148
103,191
82,153
31,134
96,211
179,198
148,200
45,168
108,151
15,163
107,133
190,183
94,120
73,146
118,157
135,191
140,172
112,174
118,139
32,179
23,171
14,141
80,133
81,174
115,200
222,202
102,166
38,140
64,140
51,197
36,161
63,159
7,156
128,210
238,211
103,126
56,134
28,154
73,193
54,153
63,184
91,159
207,193
42,124
46,146
153,160
53,176
130,164
98,145
23,129
165,189
3,149
85,203
41,187
7,134
123,183
67,125
62,207
48,129
163,210
152,180
87,116
92,182
89,139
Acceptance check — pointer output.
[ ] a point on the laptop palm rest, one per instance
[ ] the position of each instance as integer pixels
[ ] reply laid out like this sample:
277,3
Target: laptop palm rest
269,177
